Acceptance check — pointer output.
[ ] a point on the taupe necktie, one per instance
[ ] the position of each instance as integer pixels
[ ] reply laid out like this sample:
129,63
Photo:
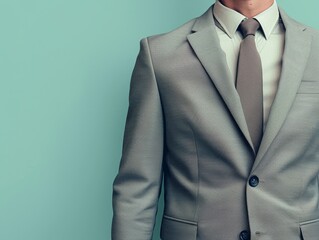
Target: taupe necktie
249,80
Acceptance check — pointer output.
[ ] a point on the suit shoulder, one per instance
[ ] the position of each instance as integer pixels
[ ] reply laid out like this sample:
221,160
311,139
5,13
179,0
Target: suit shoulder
311,30
285,18
169,41
315,33
175,41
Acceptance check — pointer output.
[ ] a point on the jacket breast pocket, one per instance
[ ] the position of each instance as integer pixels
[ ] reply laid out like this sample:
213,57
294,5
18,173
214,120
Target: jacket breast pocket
310,228
308,87
178,229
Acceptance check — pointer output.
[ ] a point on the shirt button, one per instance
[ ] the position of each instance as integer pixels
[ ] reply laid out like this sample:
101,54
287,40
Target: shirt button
244,235
254,181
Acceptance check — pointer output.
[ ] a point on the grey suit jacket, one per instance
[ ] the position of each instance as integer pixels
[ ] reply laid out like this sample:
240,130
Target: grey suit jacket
185,123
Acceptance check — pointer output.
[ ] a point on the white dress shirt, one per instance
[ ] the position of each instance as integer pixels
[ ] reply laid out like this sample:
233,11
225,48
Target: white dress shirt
269,42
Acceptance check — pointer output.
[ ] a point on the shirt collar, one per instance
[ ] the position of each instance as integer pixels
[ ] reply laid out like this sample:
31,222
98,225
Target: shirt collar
230,19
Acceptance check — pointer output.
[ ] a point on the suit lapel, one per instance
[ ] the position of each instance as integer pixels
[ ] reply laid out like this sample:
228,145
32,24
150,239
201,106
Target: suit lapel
205,43
296,52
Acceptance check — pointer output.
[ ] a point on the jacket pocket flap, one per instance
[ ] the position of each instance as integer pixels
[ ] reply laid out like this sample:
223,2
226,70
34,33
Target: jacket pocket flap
177,229
308,87
310,229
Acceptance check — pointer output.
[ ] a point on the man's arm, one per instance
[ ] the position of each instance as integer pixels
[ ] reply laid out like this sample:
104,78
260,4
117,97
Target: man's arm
137,186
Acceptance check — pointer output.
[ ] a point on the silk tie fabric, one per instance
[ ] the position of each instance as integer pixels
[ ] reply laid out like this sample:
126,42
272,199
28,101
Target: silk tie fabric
249,80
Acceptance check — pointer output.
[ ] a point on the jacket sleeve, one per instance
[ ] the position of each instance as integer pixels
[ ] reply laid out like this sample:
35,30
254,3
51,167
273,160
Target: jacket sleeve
137,186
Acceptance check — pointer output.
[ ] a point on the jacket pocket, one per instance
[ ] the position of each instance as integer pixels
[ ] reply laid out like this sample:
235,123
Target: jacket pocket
308,87
310,229
178,229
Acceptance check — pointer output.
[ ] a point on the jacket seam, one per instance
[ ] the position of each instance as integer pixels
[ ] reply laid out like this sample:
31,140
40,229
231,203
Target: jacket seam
198,177
158,90
152,65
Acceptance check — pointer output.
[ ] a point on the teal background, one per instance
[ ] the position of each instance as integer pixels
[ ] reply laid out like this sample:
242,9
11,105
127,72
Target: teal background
65,67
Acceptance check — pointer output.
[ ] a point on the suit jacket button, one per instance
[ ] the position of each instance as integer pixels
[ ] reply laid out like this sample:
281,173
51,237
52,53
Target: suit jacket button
254,181
244,235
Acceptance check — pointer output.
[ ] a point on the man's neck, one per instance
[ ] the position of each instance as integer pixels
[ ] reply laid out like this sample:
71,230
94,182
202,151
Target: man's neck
248,8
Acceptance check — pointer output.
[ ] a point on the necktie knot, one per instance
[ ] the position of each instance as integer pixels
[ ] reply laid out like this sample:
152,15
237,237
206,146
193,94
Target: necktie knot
249,27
